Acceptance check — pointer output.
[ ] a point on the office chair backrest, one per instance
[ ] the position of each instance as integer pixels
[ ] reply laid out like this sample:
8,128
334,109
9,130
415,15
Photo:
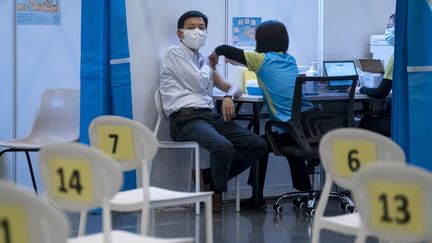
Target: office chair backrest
298,93
345,151
309,127
24,218
78,177
125,140
58,115
394,202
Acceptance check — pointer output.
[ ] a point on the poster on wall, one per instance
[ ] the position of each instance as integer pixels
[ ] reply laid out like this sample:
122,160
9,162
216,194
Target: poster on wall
38,12
243,33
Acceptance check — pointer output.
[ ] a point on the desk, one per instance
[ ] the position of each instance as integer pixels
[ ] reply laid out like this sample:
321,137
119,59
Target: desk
330,96
258,101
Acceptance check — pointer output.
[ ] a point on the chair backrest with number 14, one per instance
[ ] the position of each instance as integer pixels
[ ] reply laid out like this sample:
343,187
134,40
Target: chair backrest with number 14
78,177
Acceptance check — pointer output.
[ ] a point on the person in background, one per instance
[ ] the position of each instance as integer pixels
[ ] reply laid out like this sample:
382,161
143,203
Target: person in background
276,71
386,84
382,123
186,87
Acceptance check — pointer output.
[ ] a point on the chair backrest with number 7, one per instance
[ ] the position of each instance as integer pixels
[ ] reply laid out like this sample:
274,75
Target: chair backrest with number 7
394,202
129,142
78,177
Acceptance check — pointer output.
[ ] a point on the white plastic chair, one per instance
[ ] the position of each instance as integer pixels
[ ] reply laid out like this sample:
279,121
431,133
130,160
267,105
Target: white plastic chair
57,120
394,203
25,218
344,152
78,177
194,146
134,146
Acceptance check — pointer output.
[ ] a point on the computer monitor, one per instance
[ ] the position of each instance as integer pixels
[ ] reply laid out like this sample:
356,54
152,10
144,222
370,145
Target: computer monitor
339,68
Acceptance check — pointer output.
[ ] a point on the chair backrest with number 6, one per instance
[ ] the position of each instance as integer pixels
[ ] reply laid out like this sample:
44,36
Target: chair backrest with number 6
345,151
394,202
78,177
24,218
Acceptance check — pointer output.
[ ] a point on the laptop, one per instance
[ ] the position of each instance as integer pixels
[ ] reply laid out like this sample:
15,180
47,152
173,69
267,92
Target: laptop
371,65
339,68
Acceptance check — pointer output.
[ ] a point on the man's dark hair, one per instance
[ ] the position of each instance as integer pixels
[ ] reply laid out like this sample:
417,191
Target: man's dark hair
191,14
271,36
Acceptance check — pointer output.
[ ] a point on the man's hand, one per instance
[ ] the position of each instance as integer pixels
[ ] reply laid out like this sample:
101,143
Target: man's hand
228,111
214,59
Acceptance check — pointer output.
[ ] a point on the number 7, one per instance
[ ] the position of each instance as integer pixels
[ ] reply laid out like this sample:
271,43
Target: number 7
115,137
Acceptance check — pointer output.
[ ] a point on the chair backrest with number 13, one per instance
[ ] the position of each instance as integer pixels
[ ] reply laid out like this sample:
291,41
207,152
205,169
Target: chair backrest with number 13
394,202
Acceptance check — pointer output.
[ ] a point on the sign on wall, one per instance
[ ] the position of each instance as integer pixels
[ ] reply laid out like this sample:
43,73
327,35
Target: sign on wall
244,28
38,12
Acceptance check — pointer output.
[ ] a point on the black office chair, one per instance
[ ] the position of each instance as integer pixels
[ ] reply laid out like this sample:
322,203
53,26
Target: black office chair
307,129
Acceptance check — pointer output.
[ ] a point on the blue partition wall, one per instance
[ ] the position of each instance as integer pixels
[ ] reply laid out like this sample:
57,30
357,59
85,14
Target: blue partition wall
420,81
105,68
413,81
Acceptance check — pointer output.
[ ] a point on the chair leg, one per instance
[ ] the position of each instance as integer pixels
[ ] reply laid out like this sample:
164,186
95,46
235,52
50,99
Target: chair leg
82,223
237,185
31,171
316,232
209,220
197,177
361,236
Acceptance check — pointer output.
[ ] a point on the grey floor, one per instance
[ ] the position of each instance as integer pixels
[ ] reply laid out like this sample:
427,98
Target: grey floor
228,226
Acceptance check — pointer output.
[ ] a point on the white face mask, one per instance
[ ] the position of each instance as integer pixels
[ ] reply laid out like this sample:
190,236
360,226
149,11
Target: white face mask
195,38
389,36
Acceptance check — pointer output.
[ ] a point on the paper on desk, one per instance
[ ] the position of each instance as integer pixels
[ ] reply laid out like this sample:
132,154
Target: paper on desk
251,83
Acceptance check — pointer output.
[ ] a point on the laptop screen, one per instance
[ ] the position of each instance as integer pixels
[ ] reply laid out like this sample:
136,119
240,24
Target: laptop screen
339,68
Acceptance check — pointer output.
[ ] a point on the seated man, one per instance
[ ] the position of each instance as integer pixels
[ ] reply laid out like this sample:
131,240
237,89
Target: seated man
186,86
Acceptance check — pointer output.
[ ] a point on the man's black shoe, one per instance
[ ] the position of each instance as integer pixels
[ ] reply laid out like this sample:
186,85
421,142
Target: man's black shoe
249,204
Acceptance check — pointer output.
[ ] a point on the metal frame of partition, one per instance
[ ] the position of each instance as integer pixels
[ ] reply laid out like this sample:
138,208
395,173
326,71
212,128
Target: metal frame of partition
321,19
14,84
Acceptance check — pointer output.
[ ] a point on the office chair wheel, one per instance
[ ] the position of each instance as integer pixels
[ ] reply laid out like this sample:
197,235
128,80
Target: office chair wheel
348,207
299,203
310,212
277,208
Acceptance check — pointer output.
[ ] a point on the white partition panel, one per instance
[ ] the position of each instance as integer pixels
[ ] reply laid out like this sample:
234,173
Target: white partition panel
48,56
299,17
301,21
349,25
6,83
152,28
